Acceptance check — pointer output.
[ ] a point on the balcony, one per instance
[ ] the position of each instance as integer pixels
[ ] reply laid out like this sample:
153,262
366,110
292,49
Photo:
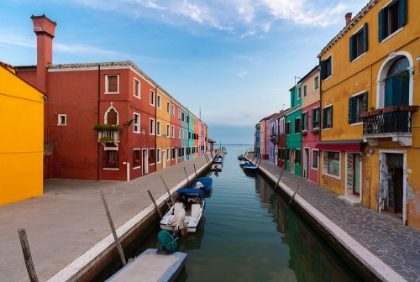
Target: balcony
393,122
109,139
274,138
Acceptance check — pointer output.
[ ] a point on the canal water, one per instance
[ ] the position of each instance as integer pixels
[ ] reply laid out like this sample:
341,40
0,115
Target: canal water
249,234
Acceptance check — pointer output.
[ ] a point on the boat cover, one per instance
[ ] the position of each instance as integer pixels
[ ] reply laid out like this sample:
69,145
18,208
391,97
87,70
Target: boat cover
167,242
191,191
205,180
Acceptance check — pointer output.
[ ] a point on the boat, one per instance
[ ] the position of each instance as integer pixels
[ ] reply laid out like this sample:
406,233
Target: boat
250,167
204,183
218,159
241,157
216,167
163,264
243,162
186,213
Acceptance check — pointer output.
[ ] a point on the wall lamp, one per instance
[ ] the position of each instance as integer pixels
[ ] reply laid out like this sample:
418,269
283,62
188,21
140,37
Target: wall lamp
131,121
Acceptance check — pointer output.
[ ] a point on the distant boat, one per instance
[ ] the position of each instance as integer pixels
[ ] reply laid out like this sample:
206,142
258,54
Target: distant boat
243,162
241,157
218,159
216,167
250,167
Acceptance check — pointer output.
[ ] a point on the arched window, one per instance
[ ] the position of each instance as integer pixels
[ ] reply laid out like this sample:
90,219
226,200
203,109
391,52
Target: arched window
111,116
397,83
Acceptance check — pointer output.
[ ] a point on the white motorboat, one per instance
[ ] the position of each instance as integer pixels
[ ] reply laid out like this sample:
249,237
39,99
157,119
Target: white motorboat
186,213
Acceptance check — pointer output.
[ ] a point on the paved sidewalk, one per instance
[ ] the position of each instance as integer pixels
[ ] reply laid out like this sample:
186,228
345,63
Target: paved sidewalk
395,245
69,219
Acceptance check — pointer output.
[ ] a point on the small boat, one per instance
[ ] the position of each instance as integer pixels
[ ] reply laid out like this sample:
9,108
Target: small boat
243,162
204,183
218,159
186,212
250,167
152,265
216,167
241,157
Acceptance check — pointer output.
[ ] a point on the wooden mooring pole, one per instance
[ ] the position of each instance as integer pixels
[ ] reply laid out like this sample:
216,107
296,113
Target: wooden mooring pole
27,255
293,197
186,175
154,203
167,190
114,233
278,180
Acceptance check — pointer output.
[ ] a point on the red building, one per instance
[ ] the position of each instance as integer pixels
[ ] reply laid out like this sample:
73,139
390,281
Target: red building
117,99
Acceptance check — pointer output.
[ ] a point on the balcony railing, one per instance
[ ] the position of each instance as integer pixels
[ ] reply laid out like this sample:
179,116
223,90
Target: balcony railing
108,136
389,120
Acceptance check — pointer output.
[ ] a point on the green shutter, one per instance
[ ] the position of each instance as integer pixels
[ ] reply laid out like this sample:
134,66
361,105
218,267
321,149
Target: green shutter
403,12
380,25
324,118
365,37
323,69
352,109
306,121
351,48
329,61
313,118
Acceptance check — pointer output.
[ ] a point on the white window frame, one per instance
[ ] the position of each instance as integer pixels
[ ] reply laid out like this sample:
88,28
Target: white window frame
173,110
152,125
168,107
158,101
136,127
158,151
325,164
138,88
179,114
59,121
172,131
152,98
312,159
158,132
316,78
179,133
168,154
305,90
106,84
328,77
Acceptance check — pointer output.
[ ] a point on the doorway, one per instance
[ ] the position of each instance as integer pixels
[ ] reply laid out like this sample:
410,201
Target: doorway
394,203
145,163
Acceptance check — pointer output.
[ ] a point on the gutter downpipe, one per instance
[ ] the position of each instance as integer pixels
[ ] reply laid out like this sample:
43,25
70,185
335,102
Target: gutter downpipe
320,112
156,94
99,121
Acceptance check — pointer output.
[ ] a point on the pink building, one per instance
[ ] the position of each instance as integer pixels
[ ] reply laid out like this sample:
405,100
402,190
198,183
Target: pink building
265,136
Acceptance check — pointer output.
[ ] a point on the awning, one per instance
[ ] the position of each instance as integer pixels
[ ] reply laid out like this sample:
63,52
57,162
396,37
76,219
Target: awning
340,145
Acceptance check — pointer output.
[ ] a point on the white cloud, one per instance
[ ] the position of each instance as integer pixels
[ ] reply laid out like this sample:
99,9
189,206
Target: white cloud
83,49
13,39
242,73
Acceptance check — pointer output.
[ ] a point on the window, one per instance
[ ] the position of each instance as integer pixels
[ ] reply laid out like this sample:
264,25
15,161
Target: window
172,131
136,123
167,130
297,125
359,42
179,114
305,121
111,84
357,105
182,115
179,133
288,128
182,133
173,153
62,120
305,90
282,125
391,18
136,88
158,101
152,127
173,110
326,68
168,156
299,93
315,117
158,155
316,82
297,156
152,156
168,106
136,158
152,97
112,117
331,163
158,128
327,117
315,154
111,159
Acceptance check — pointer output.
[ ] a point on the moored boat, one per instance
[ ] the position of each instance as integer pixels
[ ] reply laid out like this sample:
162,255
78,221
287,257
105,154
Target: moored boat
204,183
243,162
216,167
186,213
250,167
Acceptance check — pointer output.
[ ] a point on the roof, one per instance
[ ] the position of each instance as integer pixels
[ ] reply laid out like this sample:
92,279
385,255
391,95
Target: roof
268,117
306,75
210,140
356,18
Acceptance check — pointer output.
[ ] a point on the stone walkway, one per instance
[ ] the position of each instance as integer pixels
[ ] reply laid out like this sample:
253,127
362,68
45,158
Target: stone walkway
398,246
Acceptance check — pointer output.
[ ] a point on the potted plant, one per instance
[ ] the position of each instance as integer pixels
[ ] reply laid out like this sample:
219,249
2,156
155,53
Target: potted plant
106,139
114,127
100,127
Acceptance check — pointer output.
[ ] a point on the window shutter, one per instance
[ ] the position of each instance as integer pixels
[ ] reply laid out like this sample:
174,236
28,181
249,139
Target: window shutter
351,49
365,37
302,124
331,124
306,121
313,118
323,69
380,25
403,12
352,109
324,117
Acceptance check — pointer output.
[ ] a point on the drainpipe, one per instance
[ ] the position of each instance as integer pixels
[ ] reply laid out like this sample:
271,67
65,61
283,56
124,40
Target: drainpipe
320,123
156,128
98,151
128,170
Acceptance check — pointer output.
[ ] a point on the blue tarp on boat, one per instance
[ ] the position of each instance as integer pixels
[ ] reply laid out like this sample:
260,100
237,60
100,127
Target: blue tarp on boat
191,191
206,181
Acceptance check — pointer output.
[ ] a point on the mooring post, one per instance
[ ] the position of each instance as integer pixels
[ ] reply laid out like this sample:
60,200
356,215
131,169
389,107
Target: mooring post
278,180
187,176
114,233
27,255
154,203
293,197
259,162
167,190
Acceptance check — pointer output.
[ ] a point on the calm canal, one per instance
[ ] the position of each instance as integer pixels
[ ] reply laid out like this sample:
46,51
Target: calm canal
249,234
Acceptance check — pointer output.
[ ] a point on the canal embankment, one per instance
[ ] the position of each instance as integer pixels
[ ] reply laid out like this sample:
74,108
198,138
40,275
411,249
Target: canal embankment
376,246
67,228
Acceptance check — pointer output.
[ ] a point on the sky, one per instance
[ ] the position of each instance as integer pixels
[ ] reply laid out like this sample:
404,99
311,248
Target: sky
234,59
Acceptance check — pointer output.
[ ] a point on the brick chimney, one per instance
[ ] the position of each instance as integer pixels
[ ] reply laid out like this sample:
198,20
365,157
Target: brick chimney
348,18
44,29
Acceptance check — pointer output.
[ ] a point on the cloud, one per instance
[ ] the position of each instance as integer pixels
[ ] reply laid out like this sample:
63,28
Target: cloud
12,39
83,49
242,73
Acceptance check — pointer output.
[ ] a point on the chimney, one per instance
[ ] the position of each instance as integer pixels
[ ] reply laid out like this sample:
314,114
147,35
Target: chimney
348,18
44,29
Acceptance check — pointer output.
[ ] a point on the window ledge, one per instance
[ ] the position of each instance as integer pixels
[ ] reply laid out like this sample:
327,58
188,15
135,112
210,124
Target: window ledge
392,35
112,93
328,128
136,167
108,168
328,78
331,175
354,60
357,123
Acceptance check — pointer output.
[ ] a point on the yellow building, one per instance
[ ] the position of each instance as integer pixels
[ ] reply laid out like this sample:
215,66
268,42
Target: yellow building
163,130
22,144
370,129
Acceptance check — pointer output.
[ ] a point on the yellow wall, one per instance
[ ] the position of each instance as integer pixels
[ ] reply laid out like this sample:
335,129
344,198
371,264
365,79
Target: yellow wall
21,144
163,142
349,78
312,95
